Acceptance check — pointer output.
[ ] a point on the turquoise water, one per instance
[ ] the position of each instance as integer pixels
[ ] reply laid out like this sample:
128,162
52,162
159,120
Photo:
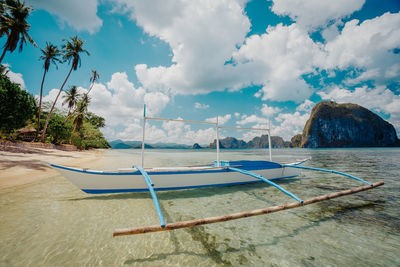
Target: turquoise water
52,223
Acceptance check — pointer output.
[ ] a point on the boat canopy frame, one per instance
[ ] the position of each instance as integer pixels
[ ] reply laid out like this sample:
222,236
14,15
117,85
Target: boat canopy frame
217,128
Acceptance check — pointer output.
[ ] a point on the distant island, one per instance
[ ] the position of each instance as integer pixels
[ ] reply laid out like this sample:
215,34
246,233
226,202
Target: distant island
345,125
228,142
120,144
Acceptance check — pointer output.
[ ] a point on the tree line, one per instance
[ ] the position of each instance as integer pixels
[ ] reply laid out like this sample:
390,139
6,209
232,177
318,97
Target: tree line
18,108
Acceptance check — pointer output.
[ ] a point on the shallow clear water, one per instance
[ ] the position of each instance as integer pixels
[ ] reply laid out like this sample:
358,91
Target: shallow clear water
52,223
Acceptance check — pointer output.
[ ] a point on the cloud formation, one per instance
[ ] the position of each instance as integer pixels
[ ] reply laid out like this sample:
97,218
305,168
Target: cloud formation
313,14
15,77
82,16
200,38
277,60
201,106
369,47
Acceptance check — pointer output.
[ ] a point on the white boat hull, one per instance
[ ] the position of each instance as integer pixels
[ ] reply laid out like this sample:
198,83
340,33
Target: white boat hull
131,180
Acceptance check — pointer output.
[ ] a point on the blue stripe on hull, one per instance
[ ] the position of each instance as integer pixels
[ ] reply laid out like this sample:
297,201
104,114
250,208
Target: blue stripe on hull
109,191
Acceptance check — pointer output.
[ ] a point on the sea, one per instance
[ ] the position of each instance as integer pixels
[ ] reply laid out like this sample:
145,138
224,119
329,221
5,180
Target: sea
52,223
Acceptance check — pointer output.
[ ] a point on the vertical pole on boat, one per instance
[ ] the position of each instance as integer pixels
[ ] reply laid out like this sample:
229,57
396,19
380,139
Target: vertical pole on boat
269,140
144,126
217,144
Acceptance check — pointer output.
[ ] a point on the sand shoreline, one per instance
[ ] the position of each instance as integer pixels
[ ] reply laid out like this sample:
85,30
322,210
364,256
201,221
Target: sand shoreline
21,166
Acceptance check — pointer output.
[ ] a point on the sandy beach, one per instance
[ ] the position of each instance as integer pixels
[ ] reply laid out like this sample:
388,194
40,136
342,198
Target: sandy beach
21,165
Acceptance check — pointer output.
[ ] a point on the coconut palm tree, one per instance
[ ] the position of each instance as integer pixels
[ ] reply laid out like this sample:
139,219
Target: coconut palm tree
15,26
2,16
50,55
71,50
95,76
81,111
71,97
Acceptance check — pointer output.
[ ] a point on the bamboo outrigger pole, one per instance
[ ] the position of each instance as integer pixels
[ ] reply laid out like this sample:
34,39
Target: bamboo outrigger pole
191,223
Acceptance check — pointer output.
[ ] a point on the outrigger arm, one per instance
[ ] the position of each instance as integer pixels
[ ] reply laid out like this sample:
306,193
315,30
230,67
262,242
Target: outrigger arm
326,170
153,194
255,175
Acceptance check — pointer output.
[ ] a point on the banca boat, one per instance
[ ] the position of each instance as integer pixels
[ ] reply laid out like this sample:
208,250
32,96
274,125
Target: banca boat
219,173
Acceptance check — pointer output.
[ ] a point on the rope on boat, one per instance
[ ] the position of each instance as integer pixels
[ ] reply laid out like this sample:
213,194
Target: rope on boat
326,170
255,175
191,223
153,194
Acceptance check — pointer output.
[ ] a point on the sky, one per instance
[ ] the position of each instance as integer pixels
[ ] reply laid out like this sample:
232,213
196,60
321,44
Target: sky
251,63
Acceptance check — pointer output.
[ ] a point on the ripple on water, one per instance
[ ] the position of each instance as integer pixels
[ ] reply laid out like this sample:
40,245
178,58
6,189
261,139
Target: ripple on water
51,223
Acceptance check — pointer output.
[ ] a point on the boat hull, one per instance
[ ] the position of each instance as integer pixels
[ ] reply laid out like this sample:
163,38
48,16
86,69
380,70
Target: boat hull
131,180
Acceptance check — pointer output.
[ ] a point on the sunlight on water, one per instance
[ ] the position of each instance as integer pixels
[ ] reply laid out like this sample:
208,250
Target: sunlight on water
52,223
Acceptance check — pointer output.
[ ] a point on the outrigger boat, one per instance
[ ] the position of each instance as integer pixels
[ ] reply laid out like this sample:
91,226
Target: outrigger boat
219,173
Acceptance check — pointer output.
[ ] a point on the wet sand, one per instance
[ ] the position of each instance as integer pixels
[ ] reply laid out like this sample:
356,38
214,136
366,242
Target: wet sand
21,166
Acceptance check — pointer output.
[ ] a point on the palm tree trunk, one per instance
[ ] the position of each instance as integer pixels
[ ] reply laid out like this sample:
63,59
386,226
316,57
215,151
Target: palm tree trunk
4,53
40,103
69,116
52,107
90,88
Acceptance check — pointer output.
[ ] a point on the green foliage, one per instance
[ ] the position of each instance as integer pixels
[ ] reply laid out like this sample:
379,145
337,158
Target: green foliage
58,131
89,137
71,97
296,140
16,105
71,50
95,120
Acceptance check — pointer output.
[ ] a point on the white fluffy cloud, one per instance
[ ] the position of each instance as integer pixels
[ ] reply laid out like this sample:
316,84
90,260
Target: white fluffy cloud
51,96
290,124
80,15
201,106
120,103
202,35
252,119
221,119
313,14
269,111
15,77
368,46
277,60
285,125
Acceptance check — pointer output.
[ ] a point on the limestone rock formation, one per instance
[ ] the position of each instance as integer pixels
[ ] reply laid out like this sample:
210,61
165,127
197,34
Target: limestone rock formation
346,125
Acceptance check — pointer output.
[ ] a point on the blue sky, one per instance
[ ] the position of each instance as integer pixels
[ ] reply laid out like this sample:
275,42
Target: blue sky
246,61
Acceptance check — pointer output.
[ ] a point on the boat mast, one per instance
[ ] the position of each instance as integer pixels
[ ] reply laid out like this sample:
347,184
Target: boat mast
144,126
269,140
217,143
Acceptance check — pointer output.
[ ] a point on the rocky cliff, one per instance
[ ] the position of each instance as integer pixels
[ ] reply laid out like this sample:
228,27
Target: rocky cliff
256,142
346,125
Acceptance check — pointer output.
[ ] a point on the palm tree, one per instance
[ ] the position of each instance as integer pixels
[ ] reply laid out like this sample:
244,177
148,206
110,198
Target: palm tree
71,98
50,55
81,111
14,24
71,50
2,17
95,76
